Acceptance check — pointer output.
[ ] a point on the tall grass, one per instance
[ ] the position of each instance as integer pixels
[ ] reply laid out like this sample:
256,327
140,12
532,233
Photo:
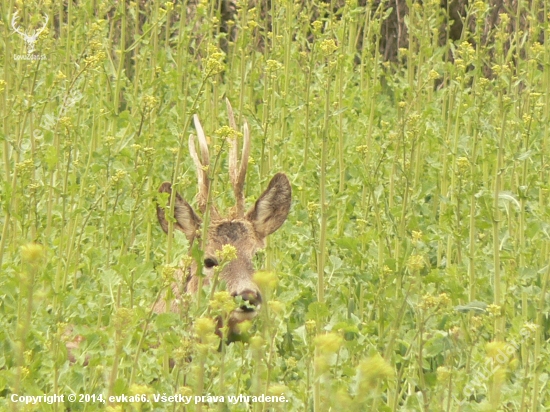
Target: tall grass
412,273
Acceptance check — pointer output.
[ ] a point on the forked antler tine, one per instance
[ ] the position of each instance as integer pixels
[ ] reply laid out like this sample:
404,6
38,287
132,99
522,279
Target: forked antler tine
13,20
43,27
35,33
201,164
196,160
245,154
233,145
236,173
205,158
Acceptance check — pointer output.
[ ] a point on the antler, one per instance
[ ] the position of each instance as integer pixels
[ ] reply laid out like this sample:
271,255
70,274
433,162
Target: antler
35,35
201,165
30,39
238,174
13,21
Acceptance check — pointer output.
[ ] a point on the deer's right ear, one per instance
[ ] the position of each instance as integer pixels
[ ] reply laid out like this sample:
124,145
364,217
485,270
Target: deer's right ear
271,209
186,219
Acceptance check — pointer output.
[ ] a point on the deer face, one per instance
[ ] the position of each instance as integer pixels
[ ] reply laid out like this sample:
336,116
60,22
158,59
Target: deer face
30,37
245,232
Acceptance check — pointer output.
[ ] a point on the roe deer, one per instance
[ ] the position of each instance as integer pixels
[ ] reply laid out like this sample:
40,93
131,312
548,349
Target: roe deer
246,232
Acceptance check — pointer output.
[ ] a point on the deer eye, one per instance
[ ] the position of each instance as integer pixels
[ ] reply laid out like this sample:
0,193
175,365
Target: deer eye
210,263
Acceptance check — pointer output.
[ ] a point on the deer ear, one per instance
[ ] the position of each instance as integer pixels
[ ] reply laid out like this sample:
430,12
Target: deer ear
271,209
186,219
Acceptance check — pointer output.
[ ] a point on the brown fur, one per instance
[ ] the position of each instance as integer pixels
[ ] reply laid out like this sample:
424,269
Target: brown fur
246,232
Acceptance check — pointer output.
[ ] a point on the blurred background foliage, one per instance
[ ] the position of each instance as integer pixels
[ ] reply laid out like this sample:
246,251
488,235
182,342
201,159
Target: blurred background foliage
412,271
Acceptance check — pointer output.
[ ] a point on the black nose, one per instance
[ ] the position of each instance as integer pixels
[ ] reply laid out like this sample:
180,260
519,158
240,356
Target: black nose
251,300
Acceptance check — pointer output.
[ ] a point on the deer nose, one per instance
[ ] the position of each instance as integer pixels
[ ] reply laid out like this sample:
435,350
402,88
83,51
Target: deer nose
251,299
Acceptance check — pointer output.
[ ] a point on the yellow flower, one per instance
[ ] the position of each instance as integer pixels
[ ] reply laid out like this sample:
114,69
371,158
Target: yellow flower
494,309
243,328
312,209
183,352
480,6
273,65
291,362
168,273
140,390
444,299
443,374
66,121
329,343
277,390
214,63
434,75
95,59
428,301
226,132
118,176
328,47
185,391
122,319
317,25
150,101
32,253
96,45
415,262
499,351
363,149
266,280
227,254
204,327
256,342
310,326
529,330
504,19
223,301
463,165
371,370
277,307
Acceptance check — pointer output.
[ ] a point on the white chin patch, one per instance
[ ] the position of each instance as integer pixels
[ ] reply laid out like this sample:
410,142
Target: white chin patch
240,315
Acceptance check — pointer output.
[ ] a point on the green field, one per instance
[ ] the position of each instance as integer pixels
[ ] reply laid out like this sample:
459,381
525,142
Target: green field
412,272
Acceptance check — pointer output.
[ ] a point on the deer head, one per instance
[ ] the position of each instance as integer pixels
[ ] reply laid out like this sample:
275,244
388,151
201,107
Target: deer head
32,36
244,231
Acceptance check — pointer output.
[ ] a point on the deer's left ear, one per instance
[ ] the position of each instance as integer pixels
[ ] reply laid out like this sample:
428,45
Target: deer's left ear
271,209
186,219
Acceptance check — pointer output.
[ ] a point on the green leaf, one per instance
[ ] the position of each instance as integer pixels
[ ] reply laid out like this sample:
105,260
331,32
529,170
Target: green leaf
317,311
475,306
165,321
